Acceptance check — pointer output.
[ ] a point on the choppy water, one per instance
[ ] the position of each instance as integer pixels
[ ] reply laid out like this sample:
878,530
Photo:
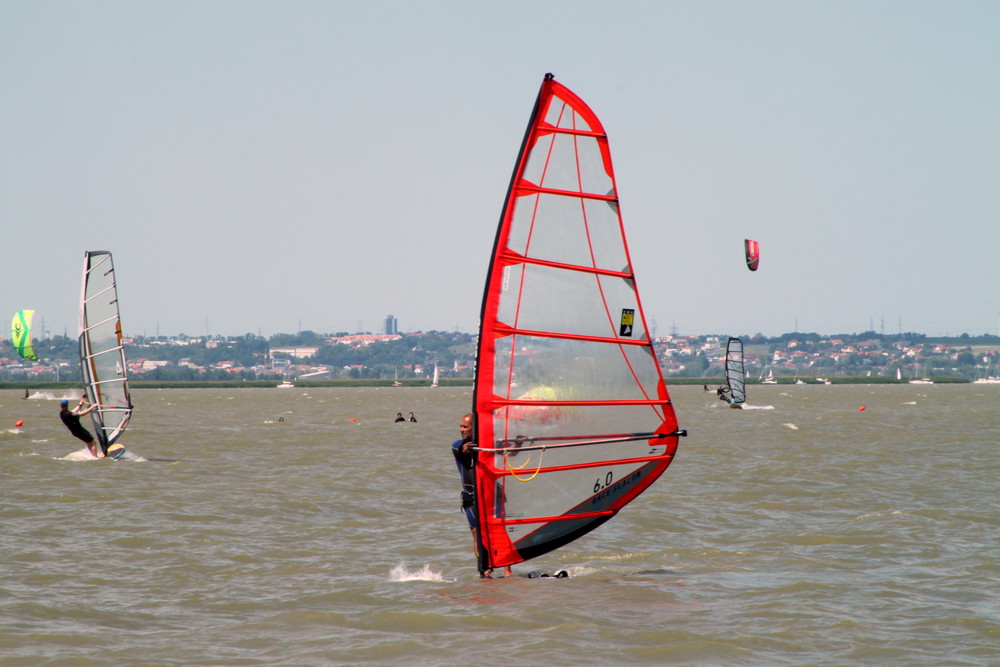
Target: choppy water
803,531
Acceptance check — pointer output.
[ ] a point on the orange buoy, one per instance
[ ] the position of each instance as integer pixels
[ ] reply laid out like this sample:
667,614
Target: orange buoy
19,423
862,408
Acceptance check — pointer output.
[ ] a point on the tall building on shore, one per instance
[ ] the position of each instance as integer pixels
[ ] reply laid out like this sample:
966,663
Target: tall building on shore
391,325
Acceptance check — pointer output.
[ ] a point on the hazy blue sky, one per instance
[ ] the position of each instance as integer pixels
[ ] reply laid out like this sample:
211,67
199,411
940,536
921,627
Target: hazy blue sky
266,166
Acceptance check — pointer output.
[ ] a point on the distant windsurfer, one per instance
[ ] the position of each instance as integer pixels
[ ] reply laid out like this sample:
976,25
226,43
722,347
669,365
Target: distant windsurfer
723,393
72,420
464,461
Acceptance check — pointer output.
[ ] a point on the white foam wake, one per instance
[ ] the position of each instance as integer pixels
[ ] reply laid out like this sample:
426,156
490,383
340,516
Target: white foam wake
52,396
400,573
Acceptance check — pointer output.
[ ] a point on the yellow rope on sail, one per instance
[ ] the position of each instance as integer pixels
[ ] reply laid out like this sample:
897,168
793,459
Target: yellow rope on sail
511,468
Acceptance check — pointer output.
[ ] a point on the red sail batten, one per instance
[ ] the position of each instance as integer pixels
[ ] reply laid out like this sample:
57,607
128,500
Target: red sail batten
503,330
501,402
510,258
527,189
583,466
561,517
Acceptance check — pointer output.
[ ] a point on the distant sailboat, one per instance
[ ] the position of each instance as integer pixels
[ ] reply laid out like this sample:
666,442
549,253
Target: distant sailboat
767,376
915,380
987,378
434,382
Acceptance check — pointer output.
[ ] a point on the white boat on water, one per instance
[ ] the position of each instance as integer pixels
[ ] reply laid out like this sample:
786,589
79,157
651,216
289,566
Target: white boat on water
987,378
767,376
285,384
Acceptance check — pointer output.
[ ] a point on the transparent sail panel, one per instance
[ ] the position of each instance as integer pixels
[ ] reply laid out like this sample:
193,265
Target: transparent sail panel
568,230
561,114
573,370
540,298
568,162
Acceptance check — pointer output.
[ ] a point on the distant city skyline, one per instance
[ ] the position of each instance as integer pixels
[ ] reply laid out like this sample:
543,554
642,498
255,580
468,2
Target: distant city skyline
315,163
42,330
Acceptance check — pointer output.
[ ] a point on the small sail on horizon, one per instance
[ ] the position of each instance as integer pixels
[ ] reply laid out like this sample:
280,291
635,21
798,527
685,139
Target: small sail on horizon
102,354
573,418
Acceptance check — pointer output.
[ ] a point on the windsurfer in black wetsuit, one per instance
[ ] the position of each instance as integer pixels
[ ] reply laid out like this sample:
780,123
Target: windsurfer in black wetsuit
723,393
464,461
72,420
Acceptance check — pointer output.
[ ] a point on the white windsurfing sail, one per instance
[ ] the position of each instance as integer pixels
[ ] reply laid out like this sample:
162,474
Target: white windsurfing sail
735,372
102,355
573,419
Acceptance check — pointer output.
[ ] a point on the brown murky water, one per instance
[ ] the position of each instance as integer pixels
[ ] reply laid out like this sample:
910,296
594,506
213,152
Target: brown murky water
800,531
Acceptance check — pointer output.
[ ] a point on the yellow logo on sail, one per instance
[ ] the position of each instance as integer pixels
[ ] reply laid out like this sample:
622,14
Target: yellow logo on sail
628,318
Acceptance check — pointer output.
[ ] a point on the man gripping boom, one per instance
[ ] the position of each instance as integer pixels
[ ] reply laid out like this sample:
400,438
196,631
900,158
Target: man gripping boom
72,420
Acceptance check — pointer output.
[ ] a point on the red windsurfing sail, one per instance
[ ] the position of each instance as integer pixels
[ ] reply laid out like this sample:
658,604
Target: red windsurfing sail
573,418
752,249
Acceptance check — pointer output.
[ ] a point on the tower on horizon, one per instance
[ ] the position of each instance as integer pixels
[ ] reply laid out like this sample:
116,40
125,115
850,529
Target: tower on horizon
391,325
